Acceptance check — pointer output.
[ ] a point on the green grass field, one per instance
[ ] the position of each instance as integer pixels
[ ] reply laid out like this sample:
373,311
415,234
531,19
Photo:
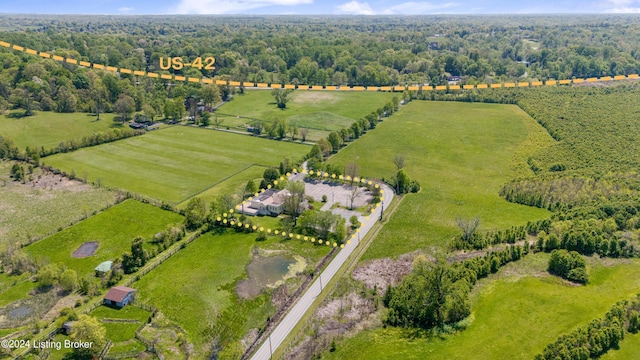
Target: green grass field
204,298
174,163
516,313
113,229
29,212
119,332
48,129
231,186
461,154
14,288
321,112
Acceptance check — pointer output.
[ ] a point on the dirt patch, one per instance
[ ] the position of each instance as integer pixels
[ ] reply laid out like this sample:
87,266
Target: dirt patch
85,250
68,301
249,339
337,318
314,97
57,182
383,272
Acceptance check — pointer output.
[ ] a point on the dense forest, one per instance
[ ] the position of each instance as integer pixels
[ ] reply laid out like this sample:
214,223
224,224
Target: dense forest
300,50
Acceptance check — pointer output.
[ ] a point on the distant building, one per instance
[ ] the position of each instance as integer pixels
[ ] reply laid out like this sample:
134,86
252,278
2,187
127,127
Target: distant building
434,45
454,79
270,202
67,327
103,268
119,296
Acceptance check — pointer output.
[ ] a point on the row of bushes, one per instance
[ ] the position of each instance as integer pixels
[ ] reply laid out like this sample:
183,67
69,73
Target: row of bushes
599,336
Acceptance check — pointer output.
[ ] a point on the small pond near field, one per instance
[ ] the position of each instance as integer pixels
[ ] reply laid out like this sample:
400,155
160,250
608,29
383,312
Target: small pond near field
264,271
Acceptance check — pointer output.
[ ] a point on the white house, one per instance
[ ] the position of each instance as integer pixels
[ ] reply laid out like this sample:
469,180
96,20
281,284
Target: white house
270,202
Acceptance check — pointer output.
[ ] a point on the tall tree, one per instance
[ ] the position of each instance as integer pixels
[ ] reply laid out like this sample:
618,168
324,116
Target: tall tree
281,97
399,161
99,95
125,106
293,203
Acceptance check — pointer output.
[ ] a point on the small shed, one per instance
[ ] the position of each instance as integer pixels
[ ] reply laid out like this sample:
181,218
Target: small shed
67,327
103,268
119,296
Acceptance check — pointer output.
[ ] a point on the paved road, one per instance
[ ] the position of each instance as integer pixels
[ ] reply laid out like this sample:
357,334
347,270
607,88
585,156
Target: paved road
302,305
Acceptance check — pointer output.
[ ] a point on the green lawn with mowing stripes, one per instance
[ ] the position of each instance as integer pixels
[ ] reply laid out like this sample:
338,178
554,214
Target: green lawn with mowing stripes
174,163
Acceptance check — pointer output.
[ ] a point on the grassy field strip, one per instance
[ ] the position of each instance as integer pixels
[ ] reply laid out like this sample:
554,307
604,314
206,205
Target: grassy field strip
344,270
181,202
48,129
551,82
460,153
113,230
174,163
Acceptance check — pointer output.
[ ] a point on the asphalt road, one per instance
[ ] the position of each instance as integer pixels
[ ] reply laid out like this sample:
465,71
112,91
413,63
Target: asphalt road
302,305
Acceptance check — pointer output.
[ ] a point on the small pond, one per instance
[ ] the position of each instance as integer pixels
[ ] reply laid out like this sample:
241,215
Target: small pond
263,271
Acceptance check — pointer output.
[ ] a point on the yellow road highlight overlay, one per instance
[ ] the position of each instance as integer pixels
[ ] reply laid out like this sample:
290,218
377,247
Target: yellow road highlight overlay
396,88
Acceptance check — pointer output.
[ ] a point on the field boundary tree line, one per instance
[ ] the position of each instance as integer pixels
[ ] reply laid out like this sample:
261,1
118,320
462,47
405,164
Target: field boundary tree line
289,86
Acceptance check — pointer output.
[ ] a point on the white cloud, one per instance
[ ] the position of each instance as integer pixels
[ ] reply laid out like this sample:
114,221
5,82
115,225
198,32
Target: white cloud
230,6
625,10
125,9
412,8
623,6
407,8
355,8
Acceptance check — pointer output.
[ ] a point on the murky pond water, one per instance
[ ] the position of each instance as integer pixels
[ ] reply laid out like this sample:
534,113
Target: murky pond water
263,271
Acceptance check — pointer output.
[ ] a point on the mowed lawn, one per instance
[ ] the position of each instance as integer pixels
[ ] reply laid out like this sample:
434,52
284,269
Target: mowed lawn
48,128
516,313
460,153
233,186
319,111
174,163
203,302
114,230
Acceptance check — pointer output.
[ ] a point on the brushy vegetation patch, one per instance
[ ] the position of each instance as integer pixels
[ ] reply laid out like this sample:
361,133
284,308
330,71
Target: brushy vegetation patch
174,163
460,154
30,211
114,230
507,308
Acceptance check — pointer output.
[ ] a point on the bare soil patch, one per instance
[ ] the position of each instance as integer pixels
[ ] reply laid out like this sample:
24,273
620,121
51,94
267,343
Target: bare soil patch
57,182
85,250
383,272
314,97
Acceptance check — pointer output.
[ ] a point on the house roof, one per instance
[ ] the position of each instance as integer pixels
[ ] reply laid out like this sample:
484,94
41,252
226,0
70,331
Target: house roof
104,266
118,293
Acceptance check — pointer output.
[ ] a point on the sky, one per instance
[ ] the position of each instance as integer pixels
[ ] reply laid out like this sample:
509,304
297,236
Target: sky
312,7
